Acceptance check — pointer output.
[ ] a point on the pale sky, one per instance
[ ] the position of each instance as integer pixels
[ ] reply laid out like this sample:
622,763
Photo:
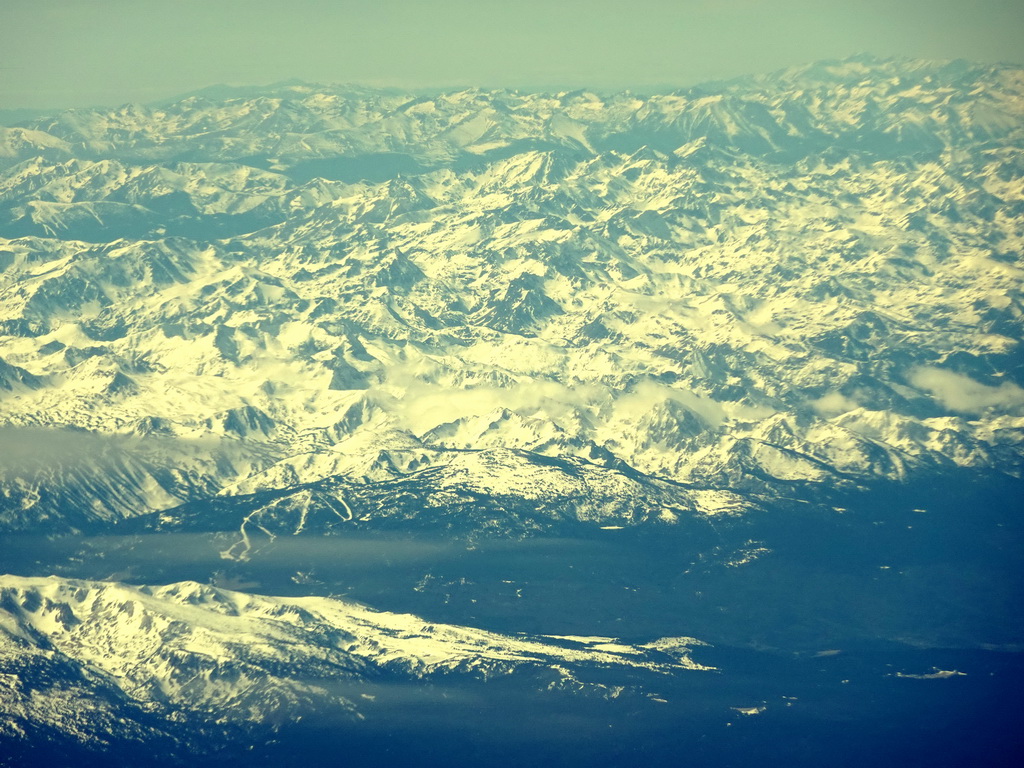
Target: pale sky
62,53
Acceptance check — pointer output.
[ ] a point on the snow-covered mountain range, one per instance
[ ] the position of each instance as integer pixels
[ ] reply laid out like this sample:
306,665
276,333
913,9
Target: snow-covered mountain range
806,278
706,318
193,651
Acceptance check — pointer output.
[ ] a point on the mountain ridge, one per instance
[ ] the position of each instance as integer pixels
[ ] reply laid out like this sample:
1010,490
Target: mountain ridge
867,303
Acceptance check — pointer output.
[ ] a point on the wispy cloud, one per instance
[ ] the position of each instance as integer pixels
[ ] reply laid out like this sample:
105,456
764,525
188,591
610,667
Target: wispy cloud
963,394
833,404
30,449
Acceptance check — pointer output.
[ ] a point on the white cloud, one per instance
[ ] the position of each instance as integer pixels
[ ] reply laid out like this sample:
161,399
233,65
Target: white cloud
647,394
962,393
833,404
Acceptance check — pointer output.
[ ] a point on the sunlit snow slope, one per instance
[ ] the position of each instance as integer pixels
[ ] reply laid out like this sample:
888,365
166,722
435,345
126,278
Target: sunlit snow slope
807,280
163,655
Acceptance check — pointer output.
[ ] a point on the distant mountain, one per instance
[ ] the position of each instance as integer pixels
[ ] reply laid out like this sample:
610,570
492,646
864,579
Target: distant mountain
807,278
